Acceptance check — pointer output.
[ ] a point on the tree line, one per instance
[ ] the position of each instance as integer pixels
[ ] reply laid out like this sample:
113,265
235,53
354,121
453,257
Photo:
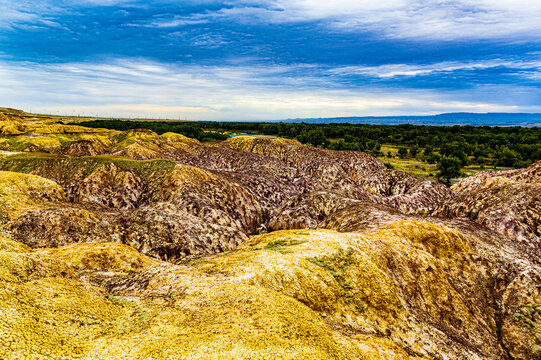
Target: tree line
484,145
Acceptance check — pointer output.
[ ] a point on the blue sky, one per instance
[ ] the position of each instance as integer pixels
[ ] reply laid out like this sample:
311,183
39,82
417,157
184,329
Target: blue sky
270,59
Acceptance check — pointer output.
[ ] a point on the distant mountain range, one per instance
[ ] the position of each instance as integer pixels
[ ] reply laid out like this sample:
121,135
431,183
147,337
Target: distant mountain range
476,119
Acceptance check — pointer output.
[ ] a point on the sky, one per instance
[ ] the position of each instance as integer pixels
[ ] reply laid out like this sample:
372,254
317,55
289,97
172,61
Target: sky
270,59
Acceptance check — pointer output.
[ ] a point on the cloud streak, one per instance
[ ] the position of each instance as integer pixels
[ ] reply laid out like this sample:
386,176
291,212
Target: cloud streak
398,19
431,19
141,88
529,69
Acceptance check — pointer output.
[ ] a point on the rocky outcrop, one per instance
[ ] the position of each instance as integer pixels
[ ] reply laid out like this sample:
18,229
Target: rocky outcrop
11,127
508,202
521,315
271,178
84,148
341,170
19,192
107,300
57,226
111,187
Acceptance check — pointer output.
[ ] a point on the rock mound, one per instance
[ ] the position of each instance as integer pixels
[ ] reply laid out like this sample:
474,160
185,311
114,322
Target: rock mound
508,202
84,148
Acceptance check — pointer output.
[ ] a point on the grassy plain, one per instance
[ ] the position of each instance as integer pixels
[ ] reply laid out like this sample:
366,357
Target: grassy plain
419,167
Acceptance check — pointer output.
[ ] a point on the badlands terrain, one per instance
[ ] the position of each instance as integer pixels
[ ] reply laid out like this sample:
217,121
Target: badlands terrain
133,245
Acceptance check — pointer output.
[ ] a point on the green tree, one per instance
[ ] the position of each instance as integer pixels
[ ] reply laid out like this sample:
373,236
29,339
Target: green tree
349,138
509,158
448,148
462,156
480,151
402,152
350,146
316,137
433,158
480,160
448,168
414,150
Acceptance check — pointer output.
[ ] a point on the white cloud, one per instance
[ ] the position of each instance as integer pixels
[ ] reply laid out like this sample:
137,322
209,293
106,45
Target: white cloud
176,23
9,17
528,69
28,13
438,19
411,19
139,88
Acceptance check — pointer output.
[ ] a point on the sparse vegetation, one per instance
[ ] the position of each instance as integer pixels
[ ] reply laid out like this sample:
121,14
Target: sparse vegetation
337,264
170,296
3,220
281,245
137,318
527,316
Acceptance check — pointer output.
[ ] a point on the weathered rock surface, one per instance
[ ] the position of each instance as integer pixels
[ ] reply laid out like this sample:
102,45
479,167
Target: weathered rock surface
409,291
342,170
299,252
521,315
508,202
101,301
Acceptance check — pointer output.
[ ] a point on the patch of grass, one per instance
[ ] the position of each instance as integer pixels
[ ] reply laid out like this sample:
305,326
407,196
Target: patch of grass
337,264
138,319
117,301
281,245
410,165
527,316
417,165
17,145
194,261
